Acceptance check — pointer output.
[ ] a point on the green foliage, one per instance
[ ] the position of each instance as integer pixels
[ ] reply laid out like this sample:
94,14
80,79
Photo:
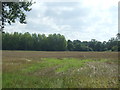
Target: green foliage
27,41
54,42
12,11
70,46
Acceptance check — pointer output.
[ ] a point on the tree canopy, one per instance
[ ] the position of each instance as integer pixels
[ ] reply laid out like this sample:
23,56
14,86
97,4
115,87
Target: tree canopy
54,42
12,11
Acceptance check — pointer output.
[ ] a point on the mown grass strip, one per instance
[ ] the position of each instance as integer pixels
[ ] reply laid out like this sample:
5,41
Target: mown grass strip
64,63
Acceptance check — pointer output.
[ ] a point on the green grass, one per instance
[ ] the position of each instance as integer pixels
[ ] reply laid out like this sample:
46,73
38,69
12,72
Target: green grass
74,81
71,63
64,64
62,73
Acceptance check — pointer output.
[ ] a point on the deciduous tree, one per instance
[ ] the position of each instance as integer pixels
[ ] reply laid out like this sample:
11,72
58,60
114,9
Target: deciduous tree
12,11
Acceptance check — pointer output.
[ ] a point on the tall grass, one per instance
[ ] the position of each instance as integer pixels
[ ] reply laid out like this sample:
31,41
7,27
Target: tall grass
60,73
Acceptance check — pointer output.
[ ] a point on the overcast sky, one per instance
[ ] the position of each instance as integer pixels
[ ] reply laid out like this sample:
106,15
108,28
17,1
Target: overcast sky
75,19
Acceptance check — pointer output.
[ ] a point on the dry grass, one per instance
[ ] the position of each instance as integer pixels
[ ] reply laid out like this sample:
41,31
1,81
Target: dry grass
40,54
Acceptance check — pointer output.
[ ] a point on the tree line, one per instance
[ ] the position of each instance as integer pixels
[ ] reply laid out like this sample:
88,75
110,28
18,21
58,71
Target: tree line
54,42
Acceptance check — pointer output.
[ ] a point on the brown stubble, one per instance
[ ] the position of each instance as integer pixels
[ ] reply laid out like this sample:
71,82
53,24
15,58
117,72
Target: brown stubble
59,54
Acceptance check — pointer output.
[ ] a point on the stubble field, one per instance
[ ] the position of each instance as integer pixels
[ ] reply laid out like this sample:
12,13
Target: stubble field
37,69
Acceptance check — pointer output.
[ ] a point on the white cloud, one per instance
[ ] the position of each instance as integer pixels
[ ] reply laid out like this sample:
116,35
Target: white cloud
101,4
85,20
60,10
16,27
38,9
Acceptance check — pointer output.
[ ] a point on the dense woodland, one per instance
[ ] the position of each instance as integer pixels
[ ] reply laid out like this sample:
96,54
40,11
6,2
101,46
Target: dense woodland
54,42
